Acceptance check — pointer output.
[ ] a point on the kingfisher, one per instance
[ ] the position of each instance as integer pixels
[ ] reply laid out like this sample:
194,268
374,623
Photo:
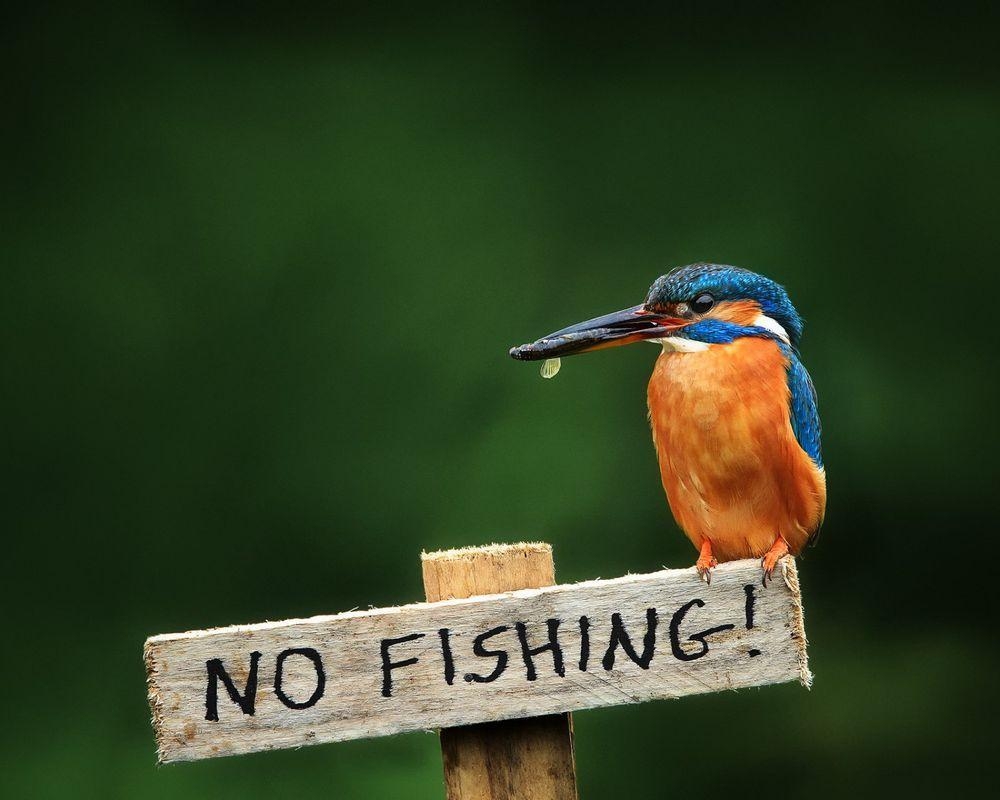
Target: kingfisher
732,409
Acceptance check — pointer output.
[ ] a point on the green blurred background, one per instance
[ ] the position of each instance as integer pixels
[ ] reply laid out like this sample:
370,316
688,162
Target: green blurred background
261,267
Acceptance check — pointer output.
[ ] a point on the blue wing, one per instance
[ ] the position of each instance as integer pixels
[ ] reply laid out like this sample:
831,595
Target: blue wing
804,413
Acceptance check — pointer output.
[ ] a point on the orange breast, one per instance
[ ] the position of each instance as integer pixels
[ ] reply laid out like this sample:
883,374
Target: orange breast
731,467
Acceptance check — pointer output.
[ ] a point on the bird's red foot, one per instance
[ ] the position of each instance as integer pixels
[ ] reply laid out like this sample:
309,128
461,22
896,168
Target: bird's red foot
771,558
706,561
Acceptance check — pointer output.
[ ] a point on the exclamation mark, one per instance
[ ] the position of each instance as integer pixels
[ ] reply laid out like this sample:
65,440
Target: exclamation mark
748,609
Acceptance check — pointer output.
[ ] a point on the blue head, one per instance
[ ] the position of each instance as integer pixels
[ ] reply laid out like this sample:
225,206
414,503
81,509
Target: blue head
705,303
724,303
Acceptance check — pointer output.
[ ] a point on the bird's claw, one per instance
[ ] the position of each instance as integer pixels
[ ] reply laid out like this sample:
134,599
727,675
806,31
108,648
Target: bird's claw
771,558
705,567
769,563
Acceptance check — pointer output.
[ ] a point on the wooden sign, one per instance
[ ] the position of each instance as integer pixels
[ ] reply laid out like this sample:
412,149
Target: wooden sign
456,662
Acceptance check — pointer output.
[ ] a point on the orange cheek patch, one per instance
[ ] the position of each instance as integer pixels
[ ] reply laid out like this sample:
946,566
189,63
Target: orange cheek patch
741,312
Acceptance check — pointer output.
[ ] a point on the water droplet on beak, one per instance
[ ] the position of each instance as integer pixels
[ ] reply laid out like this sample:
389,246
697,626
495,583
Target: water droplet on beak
550,367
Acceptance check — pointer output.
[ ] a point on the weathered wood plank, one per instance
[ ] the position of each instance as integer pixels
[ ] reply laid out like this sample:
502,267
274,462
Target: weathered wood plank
515,759
384,671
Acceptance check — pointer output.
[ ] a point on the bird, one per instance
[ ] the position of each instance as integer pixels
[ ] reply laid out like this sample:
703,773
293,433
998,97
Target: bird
732,409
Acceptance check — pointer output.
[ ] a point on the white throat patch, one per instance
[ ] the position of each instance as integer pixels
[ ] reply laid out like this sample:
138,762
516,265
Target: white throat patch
775,327
678,344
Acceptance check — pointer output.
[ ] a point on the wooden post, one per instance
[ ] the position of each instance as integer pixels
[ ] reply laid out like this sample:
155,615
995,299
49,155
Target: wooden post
519,759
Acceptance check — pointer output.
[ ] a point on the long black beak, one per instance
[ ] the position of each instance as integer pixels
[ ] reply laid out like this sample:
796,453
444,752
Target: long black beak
634,324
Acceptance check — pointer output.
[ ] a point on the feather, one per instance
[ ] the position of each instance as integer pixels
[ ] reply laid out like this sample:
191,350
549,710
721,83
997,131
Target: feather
803,409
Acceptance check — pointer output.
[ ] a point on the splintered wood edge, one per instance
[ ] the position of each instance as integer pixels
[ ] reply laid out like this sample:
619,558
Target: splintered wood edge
486,550
790,574
155,700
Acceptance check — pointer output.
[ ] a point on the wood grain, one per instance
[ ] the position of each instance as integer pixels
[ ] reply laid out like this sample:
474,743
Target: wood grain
518,759
353,704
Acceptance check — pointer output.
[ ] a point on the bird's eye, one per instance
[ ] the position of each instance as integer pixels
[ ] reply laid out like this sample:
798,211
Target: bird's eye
702,303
